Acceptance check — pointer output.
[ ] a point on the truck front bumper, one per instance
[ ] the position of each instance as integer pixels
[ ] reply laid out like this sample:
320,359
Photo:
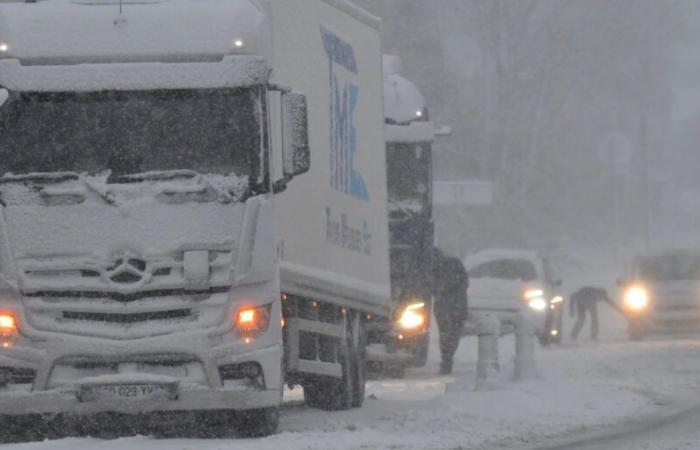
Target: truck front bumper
53,380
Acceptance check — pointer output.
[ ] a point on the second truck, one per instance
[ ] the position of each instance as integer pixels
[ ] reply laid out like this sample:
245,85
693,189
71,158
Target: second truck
401,340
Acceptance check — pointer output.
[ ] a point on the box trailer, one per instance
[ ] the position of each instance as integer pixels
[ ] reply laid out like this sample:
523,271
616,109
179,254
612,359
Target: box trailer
193,207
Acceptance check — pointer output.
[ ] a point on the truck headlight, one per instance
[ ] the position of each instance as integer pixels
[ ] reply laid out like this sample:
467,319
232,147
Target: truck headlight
8,329
412,317
636,298
251,321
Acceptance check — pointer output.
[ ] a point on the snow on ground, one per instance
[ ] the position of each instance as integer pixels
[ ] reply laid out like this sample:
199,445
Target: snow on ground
582,387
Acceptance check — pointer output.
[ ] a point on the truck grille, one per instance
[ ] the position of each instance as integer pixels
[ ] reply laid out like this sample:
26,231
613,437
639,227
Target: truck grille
129,318
127,296
150,314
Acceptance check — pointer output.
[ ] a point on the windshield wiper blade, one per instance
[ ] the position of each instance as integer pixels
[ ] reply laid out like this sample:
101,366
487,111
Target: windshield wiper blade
410,214
59,177
164,175
104,194
40,177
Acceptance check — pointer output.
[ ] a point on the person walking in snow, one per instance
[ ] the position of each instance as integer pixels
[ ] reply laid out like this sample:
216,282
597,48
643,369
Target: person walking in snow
450,283
585,301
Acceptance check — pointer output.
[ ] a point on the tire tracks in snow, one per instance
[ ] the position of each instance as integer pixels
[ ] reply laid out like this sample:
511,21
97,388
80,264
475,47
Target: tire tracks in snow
620,433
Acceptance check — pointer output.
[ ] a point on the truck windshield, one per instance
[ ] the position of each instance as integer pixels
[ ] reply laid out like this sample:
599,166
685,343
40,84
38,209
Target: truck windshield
409,175
207,131
670,267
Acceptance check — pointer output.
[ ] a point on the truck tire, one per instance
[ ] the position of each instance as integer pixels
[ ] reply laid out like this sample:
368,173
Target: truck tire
257,423
330,393
359,358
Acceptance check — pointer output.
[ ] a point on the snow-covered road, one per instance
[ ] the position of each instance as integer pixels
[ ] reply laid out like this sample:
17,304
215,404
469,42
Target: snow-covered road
675,432
583,388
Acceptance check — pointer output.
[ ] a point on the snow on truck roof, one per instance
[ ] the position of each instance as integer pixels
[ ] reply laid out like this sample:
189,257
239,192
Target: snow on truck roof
403,101
231,72
404,107
52,32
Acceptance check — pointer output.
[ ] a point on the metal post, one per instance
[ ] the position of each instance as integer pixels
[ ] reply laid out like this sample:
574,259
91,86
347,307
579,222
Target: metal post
487,366
524,349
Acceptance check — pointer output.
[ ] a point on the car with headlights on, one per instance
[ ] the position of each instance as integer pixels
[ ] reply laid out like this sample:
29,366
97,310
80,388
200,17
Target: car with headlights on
662,293
506,283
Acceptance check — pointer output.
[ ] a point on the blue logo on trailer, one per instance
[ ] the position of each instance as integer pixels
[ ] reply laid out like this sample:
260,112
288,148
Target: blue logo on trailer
344,93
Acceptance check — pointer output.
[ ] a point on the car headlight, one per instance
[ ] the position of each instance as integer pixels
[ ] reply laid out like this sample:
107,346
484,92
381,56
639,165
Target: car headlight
532,294
636,298
538,304
412,317
535,299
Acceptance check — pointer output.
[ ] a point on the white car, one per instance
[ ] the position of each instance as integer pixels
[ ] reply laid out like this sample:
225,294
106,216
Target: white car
662,293
509,282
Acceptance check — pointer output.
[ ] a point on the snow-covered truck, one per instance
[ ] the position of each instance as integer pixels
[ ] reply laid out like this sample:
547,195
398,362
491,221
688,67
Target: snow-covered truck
155,254
402,341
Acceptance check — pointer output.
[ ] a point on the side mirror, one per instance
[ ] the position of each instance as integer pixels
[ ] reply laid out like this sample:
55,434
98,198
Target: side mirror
295,134
4,95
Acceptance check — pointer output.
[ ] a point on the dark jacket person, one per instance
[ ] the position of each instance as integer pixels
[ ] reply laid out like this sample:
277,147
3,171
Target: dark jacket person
450,283
585,301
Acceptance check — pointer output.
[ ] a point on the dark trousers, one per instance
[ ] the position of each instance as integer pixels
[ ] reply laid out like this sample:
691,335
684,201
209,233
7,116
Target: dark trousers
581,309
450,327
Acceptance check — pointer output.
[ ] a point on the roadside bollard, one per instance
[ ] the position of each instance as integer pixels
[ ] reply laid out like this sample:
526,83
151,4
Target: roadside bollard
487,366
524,349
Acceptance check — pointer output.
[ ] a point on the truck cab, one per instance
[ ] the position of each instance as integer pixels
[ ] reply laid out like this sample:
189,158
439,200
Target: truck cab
148,255
403,341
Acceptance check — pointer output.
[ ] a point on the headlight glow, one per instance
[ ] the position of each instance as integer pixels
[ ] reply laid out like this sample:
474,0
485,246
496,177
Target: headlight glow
538,304
636,298
4,48
533,293
251,321
558,299
412,317
8,329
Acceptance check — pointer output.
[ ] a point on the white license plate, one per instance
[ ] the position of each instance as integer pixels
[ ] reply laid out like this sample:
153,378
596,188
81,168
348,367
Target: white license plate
134,391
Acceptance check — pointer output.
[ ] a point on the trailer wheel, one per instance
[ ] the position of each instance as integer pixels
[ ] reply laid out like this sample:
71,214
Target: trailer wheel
359,358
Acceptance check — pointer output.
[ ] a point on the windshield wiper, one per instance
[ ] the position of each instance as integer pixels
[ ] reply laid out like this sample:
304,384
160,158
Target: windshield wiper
40,177
59,177
104,194
409,213
164,175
